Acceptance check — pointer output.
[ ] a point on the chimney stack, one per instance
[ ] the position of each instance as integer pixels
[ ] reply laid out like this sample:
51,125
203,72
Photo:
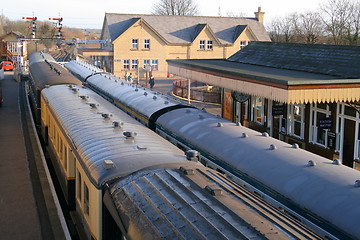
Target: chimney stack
259,15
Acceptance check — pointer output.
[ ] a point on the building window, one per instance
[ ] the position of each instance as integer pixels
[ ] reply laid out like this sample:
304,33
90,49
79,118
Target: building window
243,44
86,199
155,64
135,43
146,62
134,64
297,113
202,45
319,112
258,110
126,64
209,45
147,43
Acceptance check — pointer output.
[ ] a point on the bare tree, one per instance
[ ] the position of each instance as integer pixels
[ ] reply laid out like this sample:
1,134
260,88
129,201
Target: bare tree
284,29
335,15
176,7
310,26
353,25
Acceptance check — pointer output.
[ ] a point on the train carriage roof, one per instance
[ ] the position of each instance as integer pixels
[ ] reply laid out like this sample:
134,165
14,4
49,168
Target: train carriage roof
47,73
282,167
106,152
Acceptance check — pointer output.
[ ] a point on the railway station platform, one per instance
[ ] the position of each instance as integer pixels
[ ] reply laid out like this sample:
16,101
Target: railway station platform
27,207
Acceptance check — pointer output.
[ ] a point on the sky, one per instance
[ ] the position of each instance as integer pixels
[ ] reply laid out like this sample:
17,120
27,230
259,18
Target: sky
90,13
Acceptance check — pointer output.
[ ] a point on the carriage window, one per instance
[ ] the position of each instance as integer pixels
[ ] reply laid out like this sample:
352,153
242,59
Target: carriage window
86,199
78,187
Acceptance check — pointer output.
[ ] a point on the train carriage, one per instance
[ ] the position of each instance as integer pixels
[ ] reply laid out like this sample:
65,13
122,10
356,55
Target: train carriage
309,186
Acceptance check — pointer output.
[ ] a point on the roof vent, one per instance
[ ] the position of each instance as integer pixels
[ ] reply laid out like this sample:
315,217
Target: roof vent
166,102
75,90
311,163
128,134
245,135
84,97
93,105
203,109
122,83
214,190
187,171
336,162
273,147
145,93
108,164
188,110
295,145
70,86
116,80
357,183
192,155
136,89
117,124
154,97
141,147
220,124
106,115
238,124
218,116
201,116
265,134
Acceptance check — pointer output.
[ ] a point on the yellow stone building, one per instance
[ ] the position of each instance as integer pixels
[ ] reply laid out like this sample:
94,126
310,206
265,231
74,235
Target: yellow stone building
139,44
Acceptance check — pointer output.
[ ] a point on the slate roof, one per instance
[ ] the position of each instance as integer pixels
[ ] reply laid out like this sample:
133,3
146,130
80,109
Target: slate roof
334,60
182,29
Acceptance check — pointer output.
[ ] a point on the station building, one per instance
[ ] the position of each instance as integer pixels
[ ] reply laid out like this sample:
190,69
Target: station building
141,44
298,93
9,46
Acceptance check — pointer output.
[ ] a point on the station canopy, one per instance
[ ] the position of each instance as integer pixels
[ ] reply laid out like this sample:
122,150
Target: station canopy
283,72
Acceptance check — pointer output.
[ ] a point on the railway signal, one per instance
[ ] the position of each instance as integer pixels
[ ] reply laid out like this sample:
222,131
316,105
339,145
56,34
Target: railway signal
58,25
32,25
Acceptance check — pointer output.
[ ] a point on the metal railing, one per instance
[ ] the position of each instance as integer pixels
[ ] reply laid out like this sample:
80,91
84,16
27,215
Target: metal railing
198,91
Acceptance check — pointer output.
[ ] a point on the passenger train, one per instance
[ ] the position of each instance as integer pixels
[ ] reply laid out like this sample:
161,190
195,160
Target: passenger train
124,181
321,193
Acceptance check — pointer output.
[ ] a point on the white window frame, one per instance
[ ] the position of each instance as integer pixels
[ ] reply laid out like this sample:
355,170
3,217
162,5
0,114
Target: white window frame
134,64
147,43
155,64
243,44
313,131
209,45
202,44
255,110
134,43
126,63
146,62
292,121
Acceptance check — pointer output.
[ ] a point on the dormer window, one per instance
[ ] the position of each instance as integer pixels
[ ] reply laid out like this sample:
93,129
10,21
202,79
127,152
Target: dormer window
135,43
146,43
243,44
209,45
202,45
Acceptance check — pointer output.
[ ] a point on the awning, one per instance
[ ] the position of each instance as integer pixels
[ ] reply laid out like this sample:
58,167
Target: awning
291,92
